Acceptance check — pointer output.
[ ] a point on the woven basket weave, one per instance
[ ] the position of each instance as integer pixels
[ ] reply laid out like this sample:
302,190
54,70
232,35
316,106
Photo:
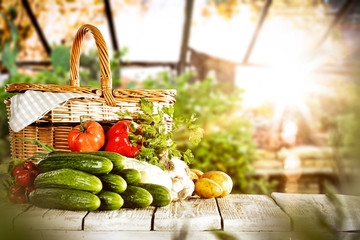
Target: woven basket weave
54,127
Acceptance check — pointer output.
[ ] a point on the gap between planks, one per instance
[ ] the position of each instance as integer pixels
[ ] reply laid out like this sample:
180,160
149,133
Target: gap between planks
153,219
83,222
221,217
282,209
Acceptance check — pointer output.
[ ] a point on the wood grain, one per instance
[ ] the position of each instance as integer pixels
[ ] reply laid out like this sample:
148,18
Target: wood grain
308,210
342,212
63,220
350,206
195,214
123,219
165,235
49,219
252,213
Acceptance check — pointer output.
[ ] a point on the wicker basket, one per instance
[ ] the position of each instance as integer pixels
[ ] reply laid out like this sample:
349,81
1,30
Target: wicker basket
54,127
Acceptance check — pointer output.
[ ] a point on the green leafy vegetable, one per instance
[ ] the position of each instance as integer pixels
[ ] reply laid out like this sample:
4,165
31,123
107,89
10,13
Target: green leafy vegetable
156,141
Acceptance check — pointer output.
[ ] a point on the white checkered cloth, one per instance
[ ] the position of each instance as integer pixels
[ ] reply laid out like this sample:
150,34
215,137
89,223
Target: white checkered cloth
32,105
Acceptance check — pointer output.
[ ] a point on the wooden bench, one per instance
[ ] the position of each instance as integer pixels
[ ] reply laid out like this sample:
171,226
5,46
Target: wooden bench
280,216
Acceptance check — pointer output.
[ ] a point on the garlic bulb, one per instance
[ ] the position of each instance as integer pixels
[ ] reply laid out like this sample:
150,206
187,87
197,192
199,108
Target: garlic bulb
176,176
179,172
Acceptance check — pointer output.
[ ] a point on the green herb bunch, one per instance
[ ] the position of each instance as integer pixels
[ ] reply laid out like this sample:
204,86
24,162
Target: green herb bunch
156,140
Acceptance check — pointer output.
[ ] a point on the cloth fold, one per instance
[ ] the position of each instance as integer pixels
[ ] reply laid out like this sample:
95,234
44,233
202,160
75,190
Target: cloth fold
32,105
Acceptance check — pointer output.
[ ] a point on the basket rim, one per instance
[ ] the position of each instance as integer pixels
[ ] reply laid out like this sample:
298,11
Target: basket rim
133,94
22,87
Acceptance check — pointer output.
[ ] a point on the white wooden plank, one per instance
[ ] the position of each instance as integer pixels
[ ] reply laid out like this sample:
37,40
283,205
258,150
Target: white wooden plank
349,236
122,219
164,235
350,205
30,219
252,213
52,219
62,220
196,214
307,210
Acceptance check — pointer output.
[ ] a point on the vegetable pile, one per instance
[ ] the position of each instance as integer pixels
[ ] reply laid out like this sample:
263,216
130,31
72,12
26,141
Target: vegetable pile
139,167
87,181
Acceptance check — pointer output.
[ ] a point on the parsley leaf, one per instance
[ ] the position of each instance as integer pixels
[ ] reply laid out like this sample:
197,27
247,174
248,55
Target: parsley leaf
156,140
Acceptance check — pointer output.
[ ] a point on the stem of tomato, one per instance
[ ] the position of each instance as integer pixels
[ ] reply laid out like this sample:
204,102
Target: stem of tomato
82,126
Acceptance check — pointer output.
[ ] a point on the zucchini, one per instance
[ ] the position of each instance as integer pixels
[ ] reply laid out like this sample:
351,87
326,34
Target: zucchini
136,197
66,199
86,163
110,200
68,178
131,176
161,195
113,183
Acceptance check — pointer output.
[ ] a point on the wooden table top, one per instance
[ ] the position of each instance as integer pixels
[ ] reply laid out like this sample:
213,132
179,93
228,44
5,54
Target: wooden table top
279,216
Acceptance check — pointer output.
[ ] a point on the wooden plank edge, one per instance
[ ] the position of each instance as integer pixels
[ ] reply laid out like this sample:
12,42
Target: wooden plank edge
291,220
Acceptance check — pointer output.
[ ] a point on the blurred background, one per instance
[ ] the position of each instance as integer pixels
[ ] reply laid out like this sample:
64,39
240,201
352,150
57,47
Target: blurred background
274,83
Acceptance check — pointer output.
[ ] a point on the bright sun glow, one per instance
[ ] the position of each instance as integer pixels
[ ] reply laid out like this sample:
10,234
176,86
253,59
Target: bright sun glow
292,162
286,85
289,132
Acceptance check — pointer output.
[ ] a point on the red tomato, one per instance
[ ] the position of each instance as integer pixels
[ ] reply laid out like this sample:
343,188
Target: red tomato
12,198
35,173
21,199
87,137
25,178
17,169
30,166
29,189
16,189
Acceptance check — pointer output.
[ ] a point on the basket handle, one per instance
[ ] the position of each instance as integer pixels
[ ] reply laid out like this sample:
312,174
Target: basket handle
106,82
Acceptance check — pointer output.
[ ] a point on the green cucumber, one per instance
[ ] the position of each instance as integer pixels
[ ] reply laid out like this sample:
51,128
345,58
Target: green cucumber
161,195
115,158
113,183
86,163
68,178
136,197
131,176
110,200
66,199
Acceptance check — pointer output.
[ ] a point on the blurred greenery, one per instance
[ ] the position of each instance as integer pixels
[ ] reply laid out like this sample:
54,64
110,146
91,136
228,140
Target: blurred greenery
227,144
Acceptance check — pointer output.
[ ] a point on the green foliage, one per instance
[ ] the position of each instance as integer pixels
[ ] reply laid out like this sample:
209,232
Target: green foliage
227,143
91,68
9,48
156,141
116,67
60,57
